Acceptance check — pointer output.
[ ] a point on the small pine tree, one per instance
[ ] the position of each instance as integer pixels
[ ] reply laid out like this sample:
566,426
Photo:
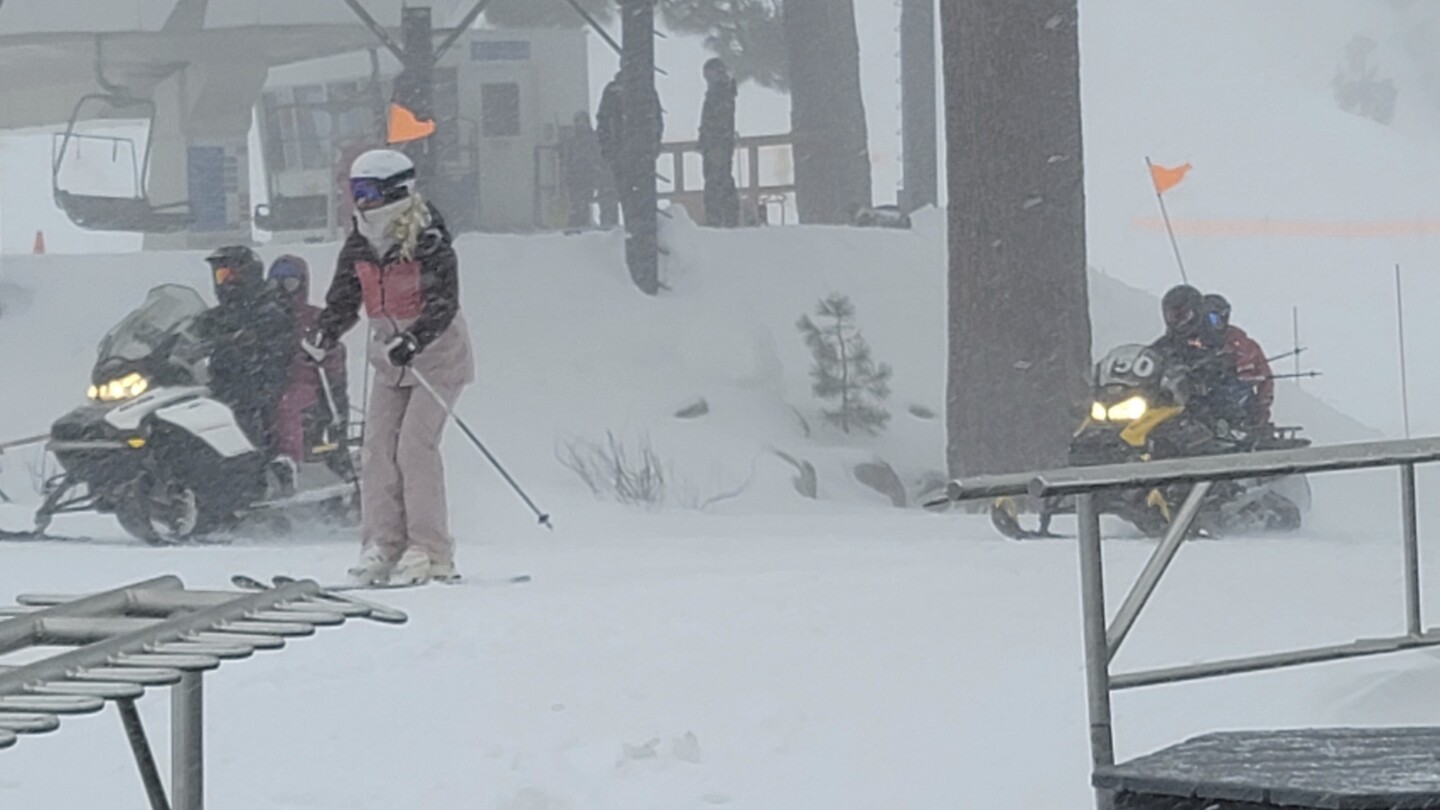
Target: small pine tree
844,370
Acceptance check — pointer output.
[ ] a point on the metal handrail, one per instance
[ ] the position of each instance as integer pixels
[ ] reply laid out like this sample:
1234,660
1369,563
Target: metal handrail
1226,467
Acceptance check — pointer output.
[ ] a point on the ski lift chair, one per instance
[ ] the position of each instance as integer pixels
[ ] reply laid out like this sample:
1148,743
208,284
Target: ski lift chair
96,212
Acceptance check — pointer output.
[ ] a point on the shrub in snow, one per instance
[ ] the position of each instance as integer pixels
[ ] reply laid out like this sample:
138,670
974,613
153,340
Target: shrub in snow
632,476
635,475
845,373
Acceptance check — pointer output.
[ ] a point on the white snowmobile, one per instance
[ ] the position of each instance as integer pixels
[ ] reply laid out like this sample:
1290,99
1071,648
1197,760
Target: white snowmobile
172,463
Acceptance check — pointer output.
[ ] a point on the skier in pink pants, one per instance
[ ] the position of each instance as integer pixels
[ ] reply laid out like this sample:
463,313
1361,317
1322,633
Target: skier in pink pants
399,264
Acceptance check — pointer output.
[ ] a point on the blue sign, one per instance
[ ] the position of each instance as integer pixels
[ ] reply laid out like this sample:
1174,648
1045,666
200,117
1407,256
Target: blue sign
500,50
205,169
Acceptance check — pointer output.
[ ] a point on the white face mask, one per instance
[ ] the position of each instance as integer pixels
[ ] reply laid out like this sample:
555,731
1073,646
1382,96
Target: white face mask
375,223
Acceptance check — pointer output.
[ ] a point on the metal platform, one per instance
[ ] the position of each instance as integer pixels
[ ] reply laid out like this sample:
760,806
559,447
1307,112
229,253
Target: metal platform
1309,769
154,633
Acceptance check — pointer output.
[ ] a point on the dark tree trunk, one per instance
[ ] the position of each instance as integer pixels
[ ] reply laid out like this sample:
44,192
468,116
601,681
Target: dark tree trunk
640,143
920,133
1019,304
827,112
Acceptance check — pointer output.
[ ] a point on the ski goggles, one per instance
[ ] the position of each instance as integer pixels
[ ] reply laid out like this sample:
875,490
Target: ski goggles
226,275
1216,320
286,274
367,191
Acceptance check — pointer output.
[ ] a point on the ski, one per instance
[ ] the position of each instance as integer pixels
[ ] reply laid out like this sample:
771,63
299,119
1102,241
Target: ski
348,587
378,612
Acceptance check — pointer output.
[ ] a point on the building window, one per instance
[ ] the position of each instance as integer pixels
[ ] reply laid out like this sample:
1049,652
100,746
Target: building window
500,110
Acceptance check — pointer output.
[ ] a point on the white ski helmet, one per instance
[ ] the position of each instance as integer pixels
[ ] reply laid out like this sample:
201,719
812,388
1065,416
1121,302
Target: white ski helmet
380,177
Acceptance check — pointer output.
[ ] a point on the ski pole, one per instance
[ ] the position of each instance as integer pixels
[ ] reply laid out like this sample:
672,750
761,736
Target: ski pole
479,445
335,418
337,423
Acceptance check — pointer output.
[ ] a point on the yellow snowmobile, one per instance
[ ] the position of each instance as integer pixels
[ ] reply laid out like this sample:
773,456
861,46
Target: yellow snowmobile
1144,408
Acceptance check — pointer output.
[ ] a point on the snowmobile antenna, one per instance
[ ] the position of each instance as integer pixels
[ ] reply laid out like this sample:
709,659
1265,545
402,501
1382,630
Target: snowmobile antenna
1400,328
1165,215
1295,329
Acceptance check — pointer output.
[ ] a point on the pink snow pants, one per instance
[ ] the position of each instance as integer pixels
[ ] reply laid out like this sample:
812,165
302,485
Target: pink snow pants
402,487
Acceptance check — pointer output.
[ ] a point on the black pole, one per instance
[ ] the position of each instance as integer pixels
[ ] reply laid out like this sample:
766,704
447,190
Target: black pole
919,122
640,143
415,89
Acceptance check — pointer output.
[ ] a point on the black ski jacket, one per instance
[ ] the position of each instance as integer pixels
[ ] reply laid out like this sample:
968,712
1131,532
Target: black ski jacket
423,292
252,343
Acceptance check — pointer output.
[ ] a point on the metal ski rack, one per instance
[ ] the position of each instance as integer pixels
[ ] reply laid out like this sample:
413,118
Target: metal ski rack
144,635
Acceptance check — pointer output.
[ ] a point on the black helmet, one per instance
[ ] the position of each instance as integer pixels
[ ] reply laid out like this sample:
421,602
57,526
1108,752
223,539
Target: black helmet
236,271
1181,307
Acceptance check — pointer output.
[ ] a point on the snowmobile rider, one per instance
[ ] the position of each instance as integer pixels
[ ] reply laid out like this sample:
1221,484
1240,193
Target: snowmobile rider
252,340
290,276
1210,379
1252,368
399,264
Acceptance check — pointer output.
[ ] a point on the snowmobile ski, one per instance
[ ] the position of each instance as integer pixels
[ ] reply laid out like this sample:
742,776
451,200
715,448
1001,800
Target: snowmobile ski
1005,517
40,537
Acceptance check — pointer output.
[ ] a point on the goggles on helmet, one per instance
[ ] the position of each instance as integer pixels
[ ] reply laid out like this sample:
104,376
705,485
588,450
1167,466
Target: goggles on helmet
367,190
371,192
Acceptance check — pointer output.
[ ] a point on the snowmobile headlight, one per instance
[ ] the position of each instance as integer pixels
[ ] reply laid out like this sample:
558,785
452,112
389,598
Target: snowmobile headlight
1098,412
1129,410
128,387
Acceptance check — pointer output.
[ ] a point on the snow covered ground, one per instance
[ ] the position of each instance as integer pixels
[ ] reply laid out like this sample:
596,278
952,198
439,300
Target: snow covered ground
769,652
854,660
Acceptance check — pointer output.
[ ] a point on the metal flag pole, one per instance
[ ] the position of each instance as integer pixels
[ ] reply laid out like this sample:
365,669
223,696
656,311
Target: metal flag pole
1400,327
1169,229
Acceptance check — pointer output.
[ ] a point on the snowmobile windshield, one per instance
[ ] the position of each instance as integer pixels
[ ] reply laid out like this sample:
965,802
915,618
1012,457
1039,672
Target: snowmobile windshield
1130,366
166,313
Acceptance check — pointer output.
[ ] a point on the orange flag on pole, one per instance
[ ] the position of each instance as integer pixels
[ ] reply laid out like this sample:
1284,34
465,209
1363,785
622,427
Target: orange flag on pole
1167,178
405,127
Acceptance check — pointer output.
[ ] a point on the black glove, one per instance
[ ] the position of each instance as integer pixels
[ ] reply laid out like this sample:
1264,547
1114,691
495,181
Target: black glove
317,345
402,349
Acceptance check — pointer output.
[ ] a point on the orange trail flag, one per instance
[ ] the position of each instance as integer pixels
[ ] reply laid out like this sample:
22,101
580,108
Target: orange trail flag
405,127
1167,178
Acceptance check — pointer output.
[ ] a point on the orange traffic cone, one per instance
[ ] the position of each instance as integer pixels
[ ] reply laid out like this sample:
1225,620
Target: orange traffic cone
39,243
